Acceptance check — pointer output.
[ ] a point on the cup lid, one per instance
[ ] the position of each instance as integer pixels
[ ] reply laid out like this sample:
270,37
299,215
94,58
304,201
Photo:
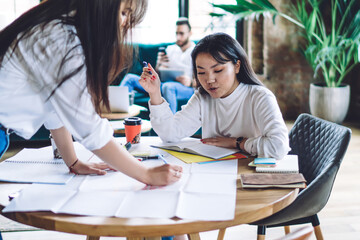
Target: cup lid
132,121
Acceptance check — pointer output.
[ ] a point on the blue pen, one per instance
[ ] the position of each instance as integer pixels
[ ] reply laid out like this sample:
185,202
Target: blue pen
145,64
162,158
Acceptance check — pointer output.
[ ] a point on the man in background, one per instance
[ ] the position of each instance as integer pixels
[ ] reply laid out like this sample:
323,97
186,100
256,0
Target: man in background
177,57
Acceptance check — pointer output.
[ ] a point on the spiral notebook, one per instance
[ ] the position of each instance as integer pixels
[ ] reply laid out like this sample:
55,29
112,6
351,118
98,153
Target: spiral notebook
32,165
289,164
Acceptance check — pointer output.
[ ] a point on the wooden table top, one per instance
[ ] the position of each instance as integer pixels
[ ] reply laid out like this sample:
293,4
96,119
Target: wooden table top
134,110
251,205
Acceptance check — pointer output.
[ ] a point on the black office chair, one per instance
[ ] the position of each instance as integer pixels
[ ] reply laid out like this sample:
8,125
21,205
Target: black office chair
320,146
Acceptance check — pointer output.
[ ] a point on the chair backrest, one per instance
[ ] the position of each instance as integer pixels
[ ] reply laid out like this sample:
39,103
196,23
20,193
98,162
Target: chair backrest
319,144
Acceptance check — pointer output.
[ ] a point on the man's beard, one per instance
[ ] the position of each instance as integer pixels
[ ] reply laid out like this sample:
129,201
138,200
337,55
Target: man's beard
183,44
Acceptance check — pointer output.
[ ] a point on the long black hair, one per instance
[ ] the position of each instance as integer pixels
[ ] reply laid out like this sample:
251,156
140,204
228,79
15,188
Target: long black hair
223,48
106,45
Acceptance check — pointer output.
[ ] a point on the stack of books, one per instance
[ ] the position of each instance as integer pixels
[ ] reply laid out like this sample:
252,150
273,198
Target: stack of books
271,173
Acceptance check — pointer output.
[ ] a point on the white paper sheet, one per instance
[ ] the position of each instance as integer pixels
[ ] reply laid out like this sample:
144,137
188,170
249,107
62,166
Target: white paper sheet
148,204
205,192
207,207
40,197
211,183
112,181
102,203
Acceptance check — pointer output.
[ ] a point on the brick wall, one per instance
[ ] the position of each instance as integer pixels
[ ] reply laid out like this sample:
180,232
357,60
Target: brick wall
285,71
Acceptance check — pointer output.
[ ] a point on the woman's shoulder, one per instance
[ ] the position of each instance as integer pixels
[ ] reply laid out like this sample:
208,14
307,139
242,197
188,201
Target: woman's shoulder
55,32
259,90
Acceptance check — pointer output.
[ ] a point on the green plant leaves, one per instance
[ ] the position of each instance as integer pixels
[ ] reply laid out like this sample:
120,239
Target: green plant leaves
331,49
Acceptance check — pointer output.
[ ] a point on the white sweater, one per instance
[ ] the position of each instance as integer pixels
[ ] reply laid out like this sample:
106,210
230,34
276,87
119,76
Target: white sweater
250,111
28,77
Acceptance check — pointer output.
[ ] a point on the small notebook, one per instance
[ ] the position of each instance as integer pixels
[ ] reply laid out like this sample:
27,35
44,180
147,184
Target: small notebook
289,164
270,180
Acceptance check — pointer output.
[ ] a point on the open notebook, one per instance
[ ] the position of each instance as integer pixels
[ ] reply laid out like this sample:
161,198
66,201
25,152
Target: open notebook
195,146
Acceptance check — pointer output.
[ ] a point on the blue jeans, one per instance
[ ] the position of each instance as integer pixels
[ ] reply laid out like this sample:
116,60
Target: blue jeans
174,91
132,82
4,142
171,91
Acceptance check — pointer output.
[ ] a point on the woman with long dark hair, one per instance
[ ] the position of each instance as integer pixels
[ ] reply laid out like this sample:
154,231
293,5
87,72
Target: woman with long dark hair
232,107
56,62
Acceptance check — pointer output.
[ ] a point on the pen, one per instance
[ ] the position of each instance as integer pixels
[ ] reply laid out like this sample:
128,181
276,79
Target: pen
147,157
145,64
128,145
13,195
162,158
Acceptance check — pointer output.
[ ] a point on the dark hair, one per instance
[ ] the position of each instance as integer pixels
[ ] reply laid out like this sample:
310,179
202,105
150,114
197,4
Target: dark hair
223,48
103,40
183,21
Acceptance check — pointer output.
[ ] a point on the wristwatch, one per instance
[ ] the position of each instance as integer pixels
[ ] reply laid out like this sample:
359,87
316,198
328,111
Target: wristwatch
238,141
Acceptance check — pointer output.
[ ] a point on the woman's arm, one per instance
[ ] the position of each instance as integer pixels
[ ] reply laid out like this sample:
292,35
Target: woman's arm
118,158
122,160
64,143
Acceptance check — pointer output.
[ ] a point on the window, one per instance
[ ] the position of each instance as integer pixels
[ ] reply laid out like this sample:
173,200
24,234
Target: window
11,9
203,24
158,25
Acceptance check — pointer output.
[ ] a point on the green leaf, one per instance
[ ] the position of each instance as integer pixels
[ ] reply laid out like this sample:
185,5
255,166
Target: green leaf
249,5
212,14
265,4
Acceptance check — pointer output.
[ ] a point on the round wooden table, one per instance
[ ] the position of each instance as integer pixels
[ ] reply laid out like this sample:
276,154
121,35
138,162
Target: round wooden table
251,205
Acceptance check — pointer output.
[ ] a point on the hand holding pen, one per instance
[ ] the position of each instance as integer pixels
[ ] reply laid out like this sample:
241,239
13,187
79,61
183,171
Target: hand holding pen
150,81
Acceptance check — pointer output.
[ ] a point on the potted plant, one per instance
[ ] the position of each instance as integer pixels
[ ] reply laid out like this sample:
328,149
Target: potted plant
332,46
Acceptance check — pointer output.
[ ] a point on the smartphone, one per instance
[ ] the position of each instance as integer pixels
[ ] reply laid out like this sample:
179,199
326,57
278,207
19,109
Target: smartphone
162,49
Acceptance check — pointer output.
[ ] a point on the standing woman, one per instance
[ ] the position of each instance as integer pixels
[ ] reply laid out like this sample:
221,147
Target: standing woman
56,62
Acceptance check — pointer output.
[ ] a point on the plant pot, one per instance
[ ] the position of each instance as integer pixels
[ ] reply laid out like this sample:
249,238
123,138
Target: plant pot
329,103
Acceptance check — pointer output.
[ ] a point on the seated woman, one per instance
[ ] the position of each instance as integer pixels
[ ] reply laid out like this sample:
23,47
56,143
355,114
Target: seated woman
233,108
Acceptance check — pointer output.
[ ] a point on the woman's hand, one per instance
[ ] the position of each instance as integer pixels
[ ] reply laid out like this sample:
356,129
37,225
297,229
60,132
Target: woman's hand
151,83
82,168
227,142
164,175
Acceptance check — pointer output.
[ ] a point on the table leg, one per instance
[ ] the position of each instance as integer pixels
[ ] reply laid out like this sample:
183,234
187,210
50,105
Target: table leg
92,238
221,234
194,236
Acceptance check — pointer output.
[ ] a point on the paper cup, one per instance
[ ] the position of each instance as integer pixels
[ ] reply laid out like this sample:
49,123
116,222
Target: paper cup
132,129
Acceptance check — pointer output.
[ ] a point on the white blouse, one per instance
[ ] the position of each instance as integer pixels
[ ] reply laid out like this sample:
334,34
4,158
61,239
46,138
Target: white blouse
250,111
179,59
31,73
